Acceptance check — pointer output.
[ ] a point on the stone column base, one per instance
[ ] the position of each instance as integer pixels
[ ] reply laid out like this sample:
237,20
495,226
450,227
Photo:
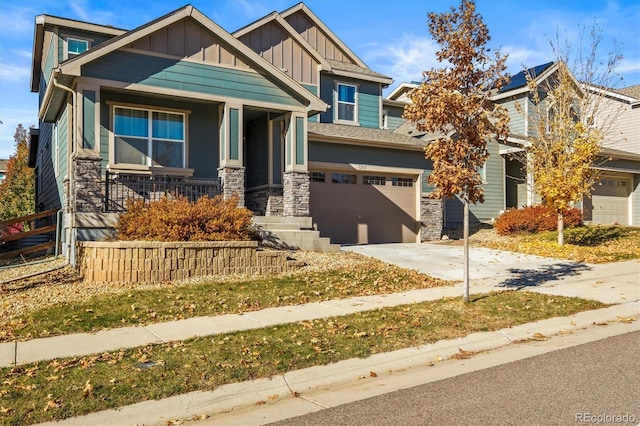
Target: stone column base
295,194
232,179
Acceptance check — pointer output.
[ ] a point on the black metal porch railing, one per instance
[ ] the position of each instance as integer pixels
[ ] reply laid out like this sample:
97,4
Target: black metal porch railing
119,187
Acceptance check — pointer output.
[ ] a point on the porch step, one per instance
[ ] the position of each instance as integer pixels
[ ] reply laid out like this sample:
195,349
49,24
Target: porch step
303,222
292,233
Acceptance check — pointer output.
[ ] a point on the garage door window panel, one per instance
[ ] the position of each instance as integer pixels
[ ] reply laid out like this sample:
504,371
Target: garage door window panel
343,178
402,181
374,180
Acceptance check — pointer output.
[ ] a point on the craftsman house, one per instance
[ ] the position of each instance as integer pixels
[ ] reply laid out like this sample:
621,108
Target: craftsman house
280,113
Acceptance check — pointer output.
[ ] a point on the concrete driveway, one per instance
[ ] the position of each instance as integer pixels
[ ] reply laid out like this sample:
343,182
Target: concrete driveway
446,261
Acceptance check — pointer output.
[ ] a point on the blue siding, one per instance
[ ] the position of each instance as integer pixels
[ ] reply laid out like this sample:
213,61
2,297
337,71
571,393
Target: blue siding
494,193
516,119
299,140
394,117
195,77
88,119
95,39
345,154
234,134
369,95
369,104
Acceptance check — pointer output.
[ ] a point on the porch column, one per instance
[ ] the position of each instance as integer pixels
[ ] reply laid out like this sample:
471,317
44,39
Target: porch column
231,170
296,175
431,216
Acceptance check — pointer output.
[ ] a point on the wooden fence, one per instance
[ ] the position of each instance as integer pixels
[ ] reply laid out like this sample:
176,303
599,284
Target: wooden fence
4,239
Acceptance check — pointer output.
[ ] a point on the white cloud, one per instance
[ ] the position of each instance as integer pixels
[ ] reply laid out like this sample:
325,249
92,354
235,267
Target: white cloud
404,59
79,9
629,65
17,21
13,72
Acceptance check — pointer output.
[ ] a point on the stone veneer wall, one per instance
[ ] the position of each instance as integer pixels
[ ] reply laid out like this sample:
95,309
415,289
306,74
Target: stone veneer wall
296,194
431,216
150,262
87,185
232,183
265,202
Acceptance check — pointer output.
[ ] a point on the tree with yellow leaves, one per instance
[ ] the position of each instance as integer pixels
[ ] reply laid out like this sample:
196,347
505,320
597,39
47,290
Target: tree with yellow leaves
570,117
454,103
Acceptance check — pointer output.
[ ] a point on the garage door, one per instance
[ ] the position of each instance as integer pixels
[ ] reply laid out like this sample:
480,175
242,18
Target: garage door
364,208
610,201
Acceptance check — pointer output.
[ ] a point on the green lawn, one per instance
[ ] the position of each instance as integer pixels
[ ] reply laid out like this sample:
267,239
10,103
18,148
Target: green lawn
365,276
64,388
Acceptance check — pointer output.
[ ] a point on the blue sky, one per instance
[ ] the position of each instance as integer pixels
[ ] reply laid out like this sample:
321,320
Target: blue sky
391,37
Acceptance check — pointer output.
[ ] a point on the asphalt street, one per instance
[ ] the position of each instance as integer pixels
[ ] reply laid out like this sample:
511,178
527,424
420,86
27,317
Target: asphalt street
591,383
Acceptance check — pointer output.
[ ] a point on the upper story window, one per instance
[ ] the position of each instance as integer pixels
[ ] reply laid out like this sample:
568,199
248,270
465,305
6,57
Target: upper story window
347,109
76,46
149,137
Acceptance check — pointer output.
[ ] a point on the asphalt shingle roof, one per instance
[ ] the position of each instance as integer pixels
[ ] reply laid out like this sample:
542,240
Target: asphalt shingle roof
343,131
344,66
631,91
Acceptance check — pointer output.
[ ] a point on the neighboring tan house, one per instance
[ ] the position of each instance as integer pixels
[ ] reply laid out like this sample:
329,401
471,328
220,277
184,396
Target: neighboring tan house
615,198
280,113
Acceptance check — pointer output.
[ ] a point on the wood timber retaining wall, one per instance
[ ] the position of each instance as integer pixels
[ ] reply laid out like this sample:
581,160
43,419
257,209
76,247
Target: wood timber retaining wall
149,261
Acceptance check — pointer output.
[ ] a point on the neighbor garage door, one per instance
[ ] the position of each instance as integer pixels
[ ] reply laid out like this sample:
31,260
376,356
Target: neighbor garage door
361,208
610,201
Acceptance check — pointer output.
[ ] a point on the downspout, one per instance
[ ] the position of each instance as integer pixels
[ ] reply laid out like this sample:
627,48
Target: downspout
70,240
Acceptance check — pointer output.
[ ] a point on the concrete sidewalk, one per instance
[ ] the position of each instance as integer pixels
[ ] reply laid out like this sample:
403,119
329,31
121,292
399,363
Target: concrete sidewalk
608,283
617,283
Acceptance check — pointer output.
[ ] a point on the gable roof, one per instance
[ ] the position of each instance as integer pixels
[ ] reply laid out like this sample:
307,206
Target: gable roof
276,17
520,80
73,66
518,83
358,69
38,39
303,8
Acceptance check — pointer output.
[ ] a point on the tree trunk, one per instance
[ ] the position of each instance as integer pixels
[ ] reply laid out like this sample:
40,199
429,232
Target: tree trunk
560,229
466,251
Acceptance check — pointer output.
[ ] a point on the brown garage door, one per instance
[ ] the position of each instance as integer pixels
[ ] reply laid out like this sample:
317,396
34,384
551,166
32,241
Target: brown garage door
364,208
610,201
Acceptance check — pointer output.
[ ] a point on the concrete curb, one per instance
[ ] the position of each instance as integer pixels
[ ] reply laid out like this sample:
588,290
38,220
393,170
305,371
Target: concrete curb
246,395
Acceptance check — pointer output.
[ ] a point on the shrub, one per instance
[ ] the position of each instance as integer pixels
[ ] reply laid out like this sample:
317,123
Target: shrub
208,219
535,219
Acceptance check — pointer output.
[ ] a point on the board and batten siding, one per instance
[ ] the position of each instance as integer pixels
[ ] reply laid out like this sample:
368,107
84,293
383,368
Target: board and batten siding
199,78
186,39
276,45
202,133
319,40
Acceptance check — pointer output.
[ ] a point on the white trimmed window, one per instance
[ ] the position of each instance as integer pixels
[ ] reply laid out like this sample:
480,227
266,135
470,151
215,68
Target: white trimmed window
149,137
76,46
346,98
